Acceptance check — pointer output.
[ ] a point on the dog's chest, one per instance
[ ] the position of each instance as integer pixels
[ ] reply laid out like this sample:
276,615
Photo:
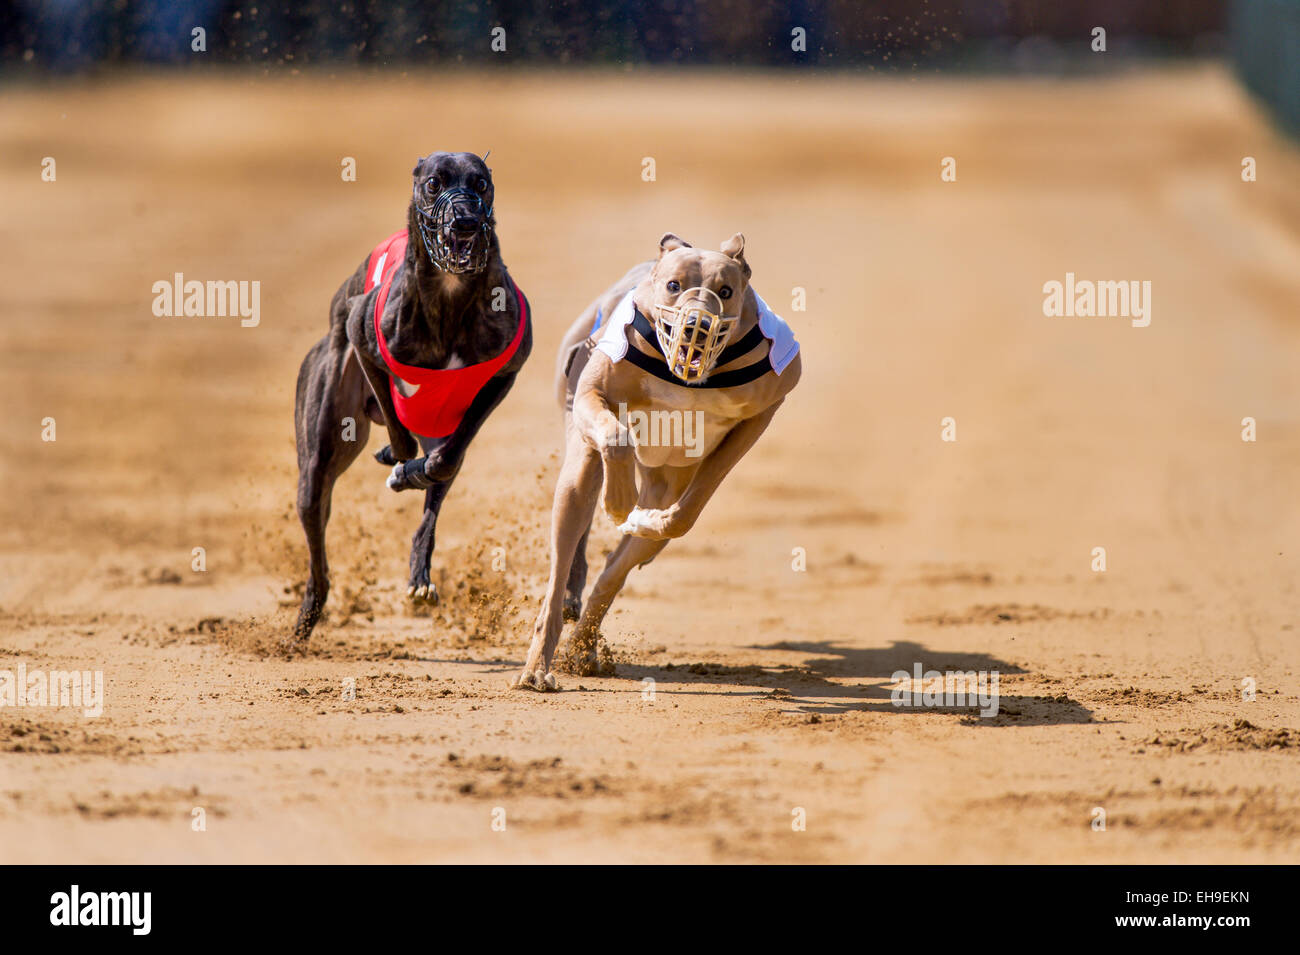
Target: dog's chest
675,433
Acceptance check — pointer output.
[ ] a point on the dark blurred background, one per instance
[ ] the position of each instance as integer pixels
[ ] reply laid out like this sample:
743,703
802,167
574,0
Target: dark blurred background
39,37
893,34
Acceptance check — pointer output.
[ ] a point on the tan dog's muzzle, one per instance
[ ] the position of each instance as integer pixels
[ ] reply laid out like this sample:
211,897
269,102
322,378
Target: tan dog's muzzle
694,333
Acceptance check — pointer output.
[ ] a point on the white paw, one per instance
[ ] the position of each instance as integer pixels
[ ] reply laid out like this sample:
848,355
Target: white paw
396,480
639,520
535,680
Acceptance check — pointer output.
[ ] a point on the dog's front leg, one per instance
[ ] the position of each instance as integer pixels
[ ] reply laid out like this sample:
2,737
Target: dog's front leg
439,468
601,430
420,588
679,517
443,463
582,655
575,498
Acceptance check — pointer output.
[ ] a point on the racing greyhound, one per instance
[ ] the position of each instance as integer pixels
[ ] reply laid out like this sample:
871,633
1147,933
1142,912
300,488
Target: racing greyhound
682,339
426,337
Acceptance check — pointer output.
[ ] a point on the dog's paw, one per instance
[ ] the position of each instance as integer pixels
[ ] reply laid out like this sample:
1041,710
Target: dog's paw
586,654
572,609
385,456
644,522
407,476
537,681
422,594
619,499
291,643
655,524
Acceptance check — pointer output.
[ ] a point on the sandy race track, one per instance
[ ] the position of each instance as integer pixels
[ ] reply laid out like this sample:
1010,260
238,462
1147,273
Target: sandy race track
1120,690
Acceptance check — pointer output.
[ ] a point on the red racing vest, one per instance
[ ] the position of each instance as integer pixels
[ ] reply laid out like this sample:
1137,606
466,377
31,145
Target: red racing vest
444,395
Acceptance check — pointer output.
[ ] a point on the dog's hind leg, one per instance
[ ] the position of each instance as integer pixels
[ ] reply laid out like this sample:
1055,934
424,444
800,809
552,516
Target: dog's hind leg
578,571
577,579
331,429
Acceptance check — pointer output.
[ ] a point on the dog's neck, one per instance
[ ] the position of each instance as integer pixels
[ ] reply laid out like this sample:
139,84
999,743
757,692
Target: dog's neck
446,309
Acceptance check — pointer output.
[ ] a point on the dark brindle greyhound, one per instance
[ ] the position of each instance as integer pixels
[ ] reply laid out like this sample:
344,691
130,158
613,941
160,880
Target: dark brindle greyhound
425,338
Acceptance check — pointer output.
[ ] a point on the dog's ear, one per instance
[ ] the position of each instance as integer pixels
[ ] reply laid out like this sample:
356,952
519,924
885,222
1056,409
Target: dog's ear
670,242
418,163
734,248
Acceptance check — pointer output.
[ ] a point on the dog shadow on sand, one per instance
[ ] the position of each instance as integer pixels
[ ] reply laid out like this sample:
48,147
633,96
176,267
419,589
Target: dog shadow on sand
826,683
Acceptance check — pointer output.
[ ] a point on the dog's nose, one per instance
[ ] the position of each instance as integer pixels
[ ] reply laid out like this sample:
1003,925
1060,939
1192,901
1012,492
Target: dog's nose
464,225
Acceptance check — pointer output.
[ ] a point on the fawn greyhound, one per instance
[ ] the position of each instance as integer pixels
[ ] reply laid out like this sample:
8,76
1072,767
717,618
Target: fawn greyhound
681,339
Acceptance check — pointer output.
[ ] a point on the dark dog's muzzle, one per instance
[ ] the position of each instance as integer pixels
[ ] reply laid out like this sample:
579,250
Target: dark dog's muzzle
457,230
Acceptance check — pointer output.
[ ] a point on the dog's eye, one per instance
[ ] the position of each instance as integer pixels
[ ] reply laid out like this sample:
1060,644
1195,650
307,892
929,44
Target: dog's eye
724,292
431,186
674,286
481,185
